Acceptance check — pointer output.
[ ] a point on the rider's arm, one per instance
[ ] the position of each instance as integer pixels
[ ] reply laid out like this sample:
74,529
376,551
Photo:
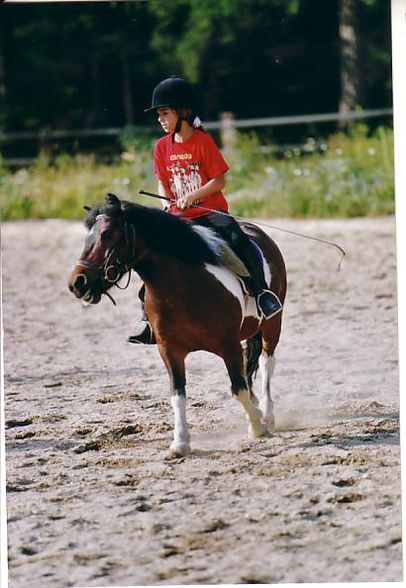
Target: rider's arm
163,190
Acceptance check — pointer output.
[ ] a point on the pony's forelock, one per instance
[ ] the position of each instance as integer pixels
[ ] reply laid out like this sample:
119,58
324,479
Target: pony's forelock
110,209
91,217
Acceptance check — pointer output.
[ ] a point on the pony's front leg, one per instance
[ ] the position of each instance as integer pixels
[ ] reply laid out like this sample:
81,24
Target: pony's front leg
240,390
175,364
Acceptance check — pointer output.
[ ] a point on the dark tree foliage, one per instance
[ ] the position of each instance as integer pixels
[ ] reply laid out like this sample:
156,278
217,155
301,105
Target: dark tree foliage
94,64
70,65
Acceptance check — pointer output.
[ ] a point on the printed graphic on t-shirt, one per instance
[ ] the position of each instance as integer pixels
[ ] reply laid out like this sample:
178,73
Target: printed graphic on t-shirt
184,179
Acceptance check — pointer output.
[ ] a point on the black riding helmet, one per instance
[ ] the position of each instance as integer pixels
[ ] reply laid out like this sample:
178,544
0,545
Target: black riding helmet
174,92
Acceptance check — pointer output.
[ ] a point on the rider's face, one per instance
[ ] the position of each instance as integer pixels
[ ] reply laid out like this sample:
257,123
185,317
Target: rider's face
167,118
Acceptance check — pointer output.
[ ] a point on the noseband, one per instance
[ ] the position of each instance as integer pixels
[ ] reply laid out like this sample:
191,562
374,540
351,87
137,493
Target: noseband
120,268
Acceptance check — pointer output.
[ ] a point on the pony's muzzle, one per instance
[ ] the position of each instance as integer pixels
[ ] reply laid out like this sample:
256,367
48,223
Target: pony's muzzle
85,287
78,284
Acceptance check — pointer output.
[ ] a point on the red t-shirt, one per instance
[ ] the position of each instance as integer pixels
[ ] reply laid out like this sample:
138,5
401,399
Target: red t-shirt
187,166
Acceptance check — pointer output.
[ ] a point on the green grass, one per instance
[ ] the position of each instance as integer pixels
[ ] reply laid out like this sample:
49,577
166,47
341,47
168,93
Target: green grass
346,176
62,189
351,176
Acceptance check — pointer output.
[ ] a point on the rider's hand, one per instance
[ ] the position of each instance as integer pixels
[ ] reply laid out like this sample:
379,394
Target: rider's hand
188,201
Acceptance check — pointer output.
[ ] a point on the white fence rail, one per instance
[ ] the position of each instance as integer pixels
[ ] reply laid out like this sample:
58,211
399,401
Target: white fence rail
300,119
226,124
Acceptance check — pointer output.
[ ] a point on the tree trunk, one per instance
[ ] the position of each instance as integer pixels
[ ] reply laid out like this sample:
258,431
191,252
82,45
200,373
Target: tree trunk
349,74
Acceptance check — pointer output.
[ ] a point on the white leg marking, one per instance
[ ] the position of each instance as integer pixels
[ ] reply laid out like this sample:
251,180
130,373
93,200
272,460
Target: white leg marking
180,445
267,367
255,427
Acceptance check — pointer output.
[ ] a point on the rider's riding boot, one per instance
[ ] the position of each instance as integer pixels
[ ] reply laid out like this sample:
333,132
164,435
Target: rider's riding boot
143,333
268,303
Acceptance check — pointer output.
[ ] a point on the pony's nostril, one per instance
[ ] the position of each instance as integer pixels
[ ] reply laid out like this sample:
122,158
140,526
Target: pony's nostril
80,282
70,287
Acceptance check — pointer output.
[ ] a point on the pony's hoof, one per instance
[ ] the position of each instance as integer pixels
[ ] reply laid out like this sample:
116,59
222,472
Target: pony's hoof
177,451
269,421
261,430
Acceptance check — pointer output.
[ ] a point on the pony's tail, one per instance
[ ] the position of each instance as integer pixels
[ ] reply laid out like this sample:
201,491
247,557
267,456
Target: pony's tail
253,351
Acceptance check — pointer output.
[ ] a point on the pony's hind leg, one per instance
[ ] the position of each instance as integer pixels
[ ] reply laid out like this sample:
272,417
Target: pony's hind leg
180,445
175,364
270,336
267,367
240,390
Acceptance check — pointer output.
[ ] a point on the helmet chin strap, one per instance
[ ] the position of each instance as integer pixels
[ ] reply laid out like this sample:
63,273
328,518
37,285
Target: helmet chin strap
191,118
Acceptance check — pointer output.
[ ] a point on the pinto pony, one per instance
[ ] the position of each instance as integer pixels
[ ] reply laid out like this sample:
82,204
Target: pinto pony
194,299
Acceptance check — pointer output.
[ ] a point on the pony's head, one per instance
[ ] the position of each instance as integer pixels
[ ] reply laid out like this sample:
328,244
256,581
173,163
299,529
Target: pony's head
106,254
124,235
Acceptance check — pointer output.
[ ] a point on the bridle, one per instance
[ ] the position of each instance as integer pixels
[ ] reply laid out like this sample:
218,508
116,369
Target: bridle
105,269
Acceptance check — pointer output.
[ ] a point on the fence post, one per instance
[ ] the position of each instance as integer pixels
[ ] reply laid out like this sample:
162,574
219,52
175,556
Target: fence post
227,130
45,142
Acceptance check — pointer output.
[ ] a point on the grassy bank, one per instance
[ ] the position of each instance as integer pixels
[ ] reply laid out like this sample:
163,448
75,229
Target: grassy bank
348,175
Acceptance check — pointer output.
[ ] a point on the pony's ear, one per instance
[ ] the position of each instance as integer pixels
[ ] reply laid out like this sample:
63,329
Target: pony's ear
87,208
112,199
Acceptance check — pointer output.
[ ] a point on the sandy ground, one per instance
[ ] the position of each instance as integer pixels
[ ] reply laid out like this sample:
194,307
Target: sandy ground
92,500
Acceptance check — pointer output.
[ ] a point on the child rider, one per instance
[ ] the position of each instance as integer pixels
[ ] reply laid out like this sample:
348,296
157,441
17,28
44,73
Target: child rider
190,169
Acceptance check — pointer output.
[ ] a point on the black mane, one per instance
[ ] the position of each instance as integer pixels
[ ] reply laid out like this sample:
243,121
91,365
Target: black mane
162,232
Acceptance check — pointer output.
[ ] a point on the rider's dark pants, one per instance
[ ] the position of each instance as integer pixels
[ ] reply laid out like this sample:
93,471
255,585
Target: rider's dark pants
229,229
